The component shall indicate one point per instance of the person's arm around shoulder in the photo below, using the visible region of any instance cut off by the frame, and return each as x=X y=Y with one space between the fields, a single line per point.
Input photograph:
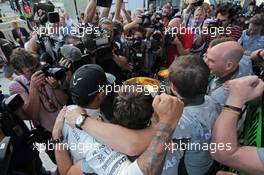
x=126 y=140
x=244 y=158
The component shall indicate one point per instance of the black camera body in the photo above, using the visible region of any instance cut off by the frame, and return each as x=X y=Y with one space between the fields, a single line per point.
x=13 y=127
x=146 y=19
x=159 y=15
x=137 y=54
x=104 y=3
x=215 y=23
x=11 y=104
x=48 y=13
x=51 y=44
x=136 y=44
x=57 y=72
x=156 y=40
x=198 y=3
x=98 y=42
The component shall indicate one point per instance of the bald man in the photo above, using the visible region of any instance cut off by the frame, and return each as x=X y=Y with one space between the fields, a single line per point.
x=223 y=60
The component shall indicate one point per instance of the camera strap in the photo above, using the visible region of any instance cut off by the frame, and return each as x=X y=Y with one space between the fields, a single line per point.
x=188 y=20
x=24 y=86
x=41 y=101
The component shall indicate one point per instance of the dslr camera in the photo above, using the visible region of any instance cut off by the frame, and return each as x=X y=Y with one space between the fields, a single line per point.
x=56 y=72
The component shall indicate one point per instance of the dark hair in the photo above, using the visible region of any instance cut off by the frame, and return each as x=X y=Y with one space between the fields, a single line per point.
x=21 y=58
x=252 y=3
x=190 y=76
x=226 y=9
x=82 y=102
x=132 y=108
x=139 y=29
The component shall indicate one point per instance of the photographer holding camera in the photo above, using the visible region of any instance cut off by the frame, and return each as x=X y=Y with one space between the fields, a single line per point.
x=137 y=57
x=42 y=95
x=156 y=52
x=179 y=40
x=166 y=14
x=221 y=26
x=194 y=14
x=136 y=21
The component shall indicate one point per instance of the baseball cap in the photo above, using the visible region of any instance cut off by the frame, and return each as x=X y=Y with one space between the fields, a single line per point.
x=71 y=52
x=87 y=81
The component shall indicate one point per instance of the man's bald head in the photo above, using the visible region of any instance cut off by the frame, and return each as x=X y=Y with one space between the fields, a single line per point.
x=223 y=58
x=229 y=50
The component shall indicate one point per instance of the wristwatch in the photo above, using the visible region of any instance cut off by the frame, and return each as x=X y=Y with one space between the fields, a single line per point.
x=80 y=121
x=57 y=141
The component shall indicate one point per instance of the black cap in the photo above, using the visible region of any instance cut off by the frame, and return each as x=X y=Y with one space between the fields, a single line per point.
x=86 y=82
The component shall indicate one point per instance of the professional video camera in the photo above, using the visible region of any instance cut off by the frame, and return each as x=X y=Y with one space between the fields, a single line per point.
x=40 y=13
x=10 y=104
x=98 y=42
x=22 y=155
x=156 y=24
x=45 y=13
x=51 y=44
x=146 y=19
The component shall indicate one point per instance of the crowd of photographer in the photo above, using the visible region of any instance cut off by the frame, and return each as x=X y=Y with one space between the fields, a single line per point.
x=209 y=54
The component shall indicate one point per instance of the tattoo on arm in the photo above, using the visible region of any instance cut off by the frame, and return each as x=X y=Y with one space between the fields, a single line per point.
x=151 y=161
